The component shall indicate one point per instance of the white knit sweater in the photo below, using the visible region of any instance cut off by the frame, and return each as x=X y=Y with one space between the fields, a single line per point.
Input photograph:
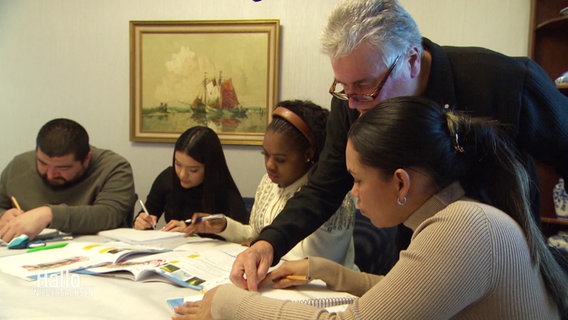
x=333 y=240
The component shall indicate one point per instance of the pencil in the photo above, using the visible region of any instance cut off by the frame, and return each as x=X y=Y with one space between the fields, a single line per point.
x=297 y=277
x=15 y=203
x=205 y=218
x=146 y=212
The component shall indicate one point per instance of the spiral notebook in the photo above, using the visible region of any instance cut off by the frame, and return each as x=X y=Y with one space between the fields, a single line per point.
x=327 y=302
x=315 y=294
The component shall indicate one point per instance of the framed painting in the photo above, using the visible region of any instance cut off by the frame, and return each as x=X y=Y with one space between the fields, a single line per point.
x=219 y=74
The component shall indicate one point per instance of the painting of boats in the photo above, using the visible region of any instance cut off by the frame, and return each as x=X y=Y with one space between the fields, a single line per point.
x=222 y=75
x=216 y=106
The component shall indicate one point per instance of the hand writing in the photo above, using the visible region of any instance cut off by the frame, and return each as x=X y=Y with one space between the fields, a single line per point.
x=145 y=221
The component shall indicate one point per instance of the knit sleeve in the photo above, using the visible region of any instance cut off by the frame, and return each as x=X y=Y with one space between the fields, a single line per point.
x=231 y=302
x=447 y=267
x=236 y=232
x=340 y=278
x=543 y=128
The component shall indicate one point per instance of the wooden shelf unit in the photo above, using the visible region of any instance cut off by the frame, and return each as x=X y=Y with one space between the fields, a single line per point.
x=563 y=221
x=548 y=41
x=548 y=46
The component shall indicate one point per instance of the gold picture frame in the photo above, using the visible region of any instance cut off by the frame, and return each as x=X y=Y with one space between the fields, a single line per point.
x=221 y=74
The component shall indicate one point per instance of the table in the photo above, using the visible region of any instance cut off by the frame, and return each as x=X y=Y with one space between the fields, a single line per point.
x=86 y=297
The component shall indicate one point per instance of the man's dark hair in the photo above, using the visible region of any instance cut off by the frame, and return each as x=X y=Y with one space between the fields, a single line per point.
x=60 y=137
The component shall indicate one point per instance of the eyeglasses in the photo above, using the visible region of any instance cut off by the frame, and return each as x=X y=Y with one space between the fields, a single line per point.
x=365 y=97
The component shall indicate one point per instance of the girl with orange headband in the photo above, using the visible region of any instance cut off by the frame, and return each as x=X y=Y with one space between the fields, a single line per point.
x=291 y=147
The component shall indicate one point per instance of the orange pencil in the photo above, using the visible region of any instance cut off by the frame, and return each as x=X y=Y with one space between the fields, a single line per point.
x=15 y=203
x=296 y=277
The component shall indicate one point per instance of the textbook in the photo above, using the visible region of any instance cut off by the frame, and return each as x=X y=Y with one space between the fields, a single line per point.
x=314 y=293
x=142 y=237
x=195 y=270
x=72 y=257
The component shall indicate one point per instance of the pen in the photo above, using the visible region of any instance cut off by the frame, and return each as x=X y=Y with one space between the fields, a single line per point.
x=15 y=203
x=205 y=218
x=43 y=243
x=51 y=246
x=146 y=212
x=296 y=277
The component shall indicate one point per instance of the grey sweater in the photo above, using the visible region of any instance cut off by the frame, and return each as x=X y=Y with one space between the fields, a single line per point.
x=103 y=199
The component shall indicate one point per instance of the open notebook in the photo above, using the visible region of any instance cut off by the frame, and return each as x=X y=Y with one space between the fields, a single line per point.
x=74 y=256
x=196 y=270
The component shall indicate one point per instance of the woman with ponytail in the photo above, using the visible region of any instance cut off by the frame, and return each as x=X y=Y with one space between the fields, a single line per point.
x=475 y=252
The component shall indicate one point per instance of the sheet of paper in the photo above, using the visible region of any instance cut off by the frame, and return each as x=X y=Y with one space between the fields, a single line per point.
x=142 y=237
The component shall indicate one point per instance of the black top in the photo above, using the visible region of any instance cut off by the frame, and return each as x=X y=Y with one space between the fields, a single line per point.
x=181 y=204
x=515 y=91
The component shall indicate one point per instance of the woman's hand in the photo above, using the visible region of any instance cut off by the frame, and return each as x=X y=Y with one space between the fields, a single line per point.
x=145 y=221
x=174 y=226
x=205 y=226
x=196 y=310
x=290 y=273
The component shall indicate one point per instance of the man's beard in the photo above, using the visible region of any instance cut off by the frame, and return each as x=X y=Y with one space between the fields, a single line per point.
x=66 y=184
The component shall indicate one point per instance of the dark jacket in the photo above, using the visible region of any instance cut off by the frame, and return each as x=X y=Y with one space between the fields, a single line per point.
x=515 y=91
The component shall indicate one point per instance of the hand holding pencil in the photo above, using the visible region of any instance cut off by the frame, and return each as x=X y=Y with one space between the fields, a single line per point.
x=205 y=223
x=290 y=273
x=17 y=222
x=10 y=214
x=145 y=220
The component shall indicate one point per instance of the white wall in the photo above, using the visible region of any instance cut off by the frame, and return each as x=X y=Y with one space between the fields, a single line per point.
x=70 y=58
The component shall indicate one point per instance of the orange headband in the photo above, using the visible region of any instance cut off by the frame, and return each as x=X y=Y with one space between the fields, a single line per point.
x=296 y=121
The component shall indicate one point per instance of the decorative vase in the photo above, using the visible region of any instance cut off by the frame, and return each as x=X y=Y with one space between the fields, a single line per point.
x=560 y=199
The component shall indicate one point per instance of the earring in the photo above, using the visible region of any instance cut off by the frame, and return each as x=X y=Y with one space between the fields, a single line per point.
x=401 y=202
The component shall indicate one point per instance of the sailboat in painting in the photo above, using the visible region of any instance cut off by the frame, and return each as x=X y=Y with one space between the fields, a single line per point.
x=218 y=103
